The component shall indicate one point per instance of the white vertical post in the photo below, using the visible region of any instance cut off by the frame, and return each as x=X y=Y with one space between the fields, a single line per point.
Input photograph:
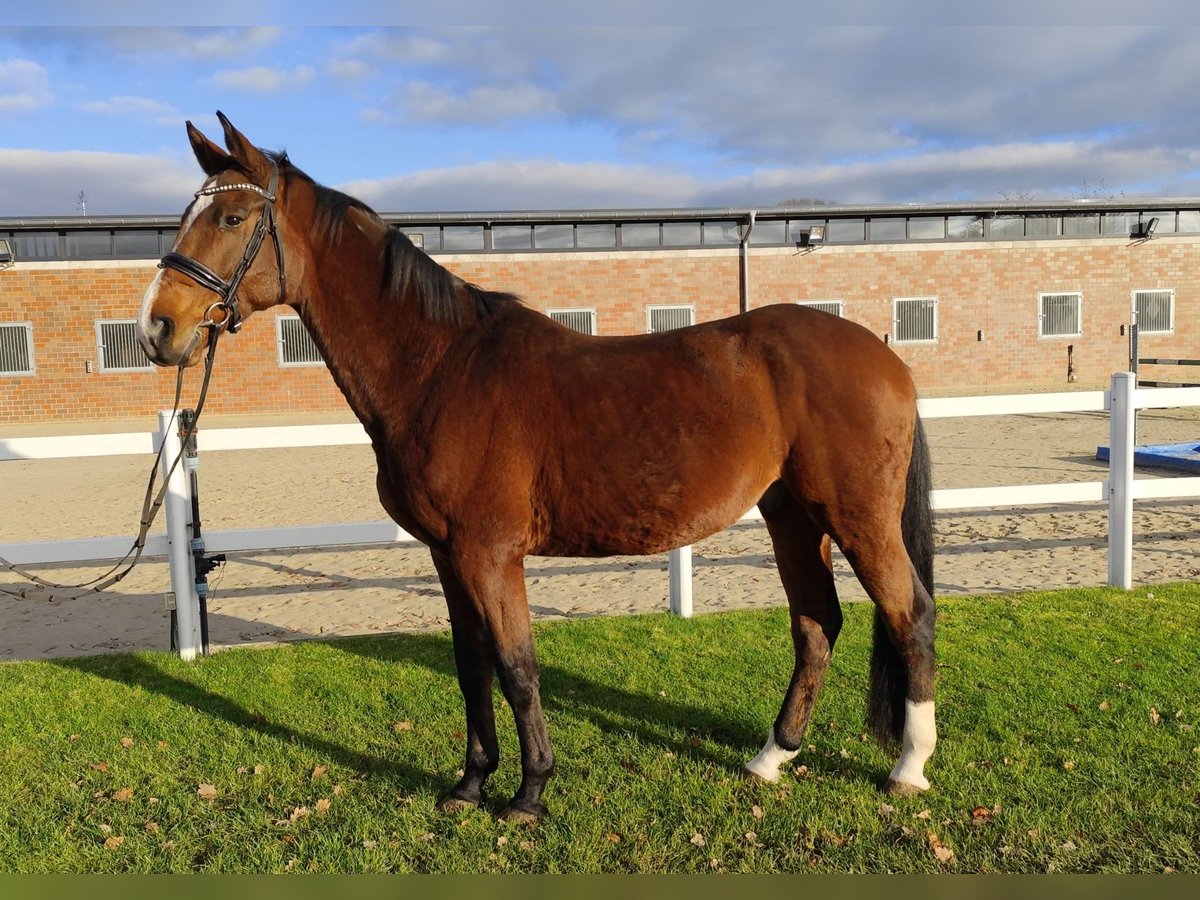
x=679 y=568
x=1120 y=480
x=178 y=504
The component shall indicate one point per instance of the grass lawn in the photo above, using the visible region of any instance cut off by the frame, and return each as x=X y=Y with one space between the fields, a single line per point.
x=1067 y=725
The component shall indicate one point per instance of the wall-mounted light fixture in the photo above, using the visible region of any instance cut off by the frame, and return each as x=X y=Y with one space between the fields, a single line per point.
x=6 y=255
x=811 y=237
x=1143 y=231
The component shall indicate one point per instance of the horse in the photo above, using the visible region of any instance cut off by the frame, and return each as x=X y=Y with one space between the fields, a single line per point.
x=500 y=433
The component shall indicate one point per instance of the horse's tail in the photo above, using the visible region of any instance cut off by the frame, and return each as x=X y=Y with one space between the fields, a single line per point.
x=889 y=676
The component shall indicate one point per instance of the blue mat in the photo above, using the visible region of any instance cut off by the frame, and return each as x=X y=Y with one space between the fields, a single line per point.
x=1185 y=456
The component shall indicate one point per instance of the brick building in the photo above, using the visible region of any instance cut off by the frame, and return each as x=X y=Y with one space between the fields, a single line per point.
x=975 y=298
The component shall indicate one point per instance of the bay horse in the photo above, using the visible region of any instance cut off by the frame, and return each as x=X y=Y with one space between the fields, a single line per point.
x=500 y=433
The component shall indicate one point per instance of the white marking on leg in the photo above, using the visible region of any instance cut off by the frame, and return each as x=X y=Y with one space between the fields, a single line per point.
x=770 y=758
x=920 y=737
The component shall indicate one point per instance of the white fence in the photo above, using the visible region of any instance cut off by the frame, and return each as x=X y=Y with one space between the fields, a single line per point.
x=1119 y=490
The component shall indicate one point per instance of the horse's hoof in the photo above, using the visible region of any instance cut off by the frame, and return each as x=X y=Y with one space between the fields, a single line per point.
x=758 y=777
x=902 y=789
x=524 y=815
x=451 y=804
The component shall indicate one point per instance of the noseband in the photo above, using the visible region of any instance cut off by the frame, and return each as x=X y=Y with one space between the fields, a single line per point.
x=207 y=278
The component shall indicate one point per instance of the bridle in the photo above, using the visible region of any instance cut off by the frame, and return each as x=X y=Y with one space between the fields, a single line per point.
x=232 y=321
x=227 y=290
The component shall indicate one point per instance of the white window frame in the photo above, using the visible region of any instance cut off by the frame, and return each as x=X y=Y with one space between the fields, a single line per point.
x=590 y=311
x=100 y=348
x=650 y=310
x=840 y=304
x=27 y=327
x=896 y=339
x=290 y=364
x=1041 y=314
x=1133 y=309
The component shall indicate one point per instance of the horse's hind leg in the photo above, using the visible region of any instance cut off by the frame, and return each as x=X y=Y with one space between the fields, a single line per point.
x=902 y=660
x=802 y=553
x=474 y=666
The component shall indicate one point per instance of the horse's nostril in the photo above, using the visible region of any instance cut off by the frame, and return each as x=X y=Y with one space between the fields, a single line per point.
x=165 y=327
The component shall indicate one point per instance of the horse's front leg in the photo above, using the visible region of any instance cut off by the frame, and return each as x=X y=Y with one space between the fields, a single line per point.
x=473 y=663
x=496 y=584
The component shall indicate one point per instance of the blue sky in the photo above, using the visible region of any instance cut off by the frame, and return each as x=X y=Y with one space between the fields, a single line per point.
x=438 y=117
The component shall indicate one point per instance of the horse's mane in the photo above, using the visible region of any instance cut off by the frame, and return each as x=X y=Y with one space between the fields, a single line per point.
x=406 y=268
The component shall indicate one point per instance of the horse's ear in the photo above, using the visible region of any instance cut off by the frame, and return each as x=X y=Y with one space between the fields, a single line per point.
x=243 y=152
x=212 y=158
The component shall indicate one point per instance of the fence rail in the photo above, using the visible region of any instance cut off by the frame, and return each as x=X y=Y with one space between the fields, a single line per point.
x=1120 y=490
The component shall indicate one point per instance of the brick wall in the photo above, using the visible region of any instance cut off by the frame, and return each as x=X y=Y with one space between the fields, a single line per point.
x=990 y=287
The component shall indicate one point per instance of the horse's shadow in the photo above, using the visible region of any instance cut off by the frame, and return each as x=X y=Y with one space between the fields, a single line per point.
x=690 y=731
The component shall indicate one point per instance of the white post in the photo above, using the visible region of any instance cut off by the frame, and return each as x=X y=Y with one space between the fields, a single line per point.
x=679 y=568
x=1120 y=480
x=178 y=504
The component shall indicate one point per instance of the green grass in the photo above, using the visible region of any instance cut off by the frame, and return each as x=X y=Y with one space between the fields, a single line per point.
x=1045 y=716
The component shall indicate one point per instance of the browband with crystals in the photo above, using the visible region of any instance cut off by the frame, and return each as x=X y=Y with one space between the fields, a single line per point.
x=240 y=186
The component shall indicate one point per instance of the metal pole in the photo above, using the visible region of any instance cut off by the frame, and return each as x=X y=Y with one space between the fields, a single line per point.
x=201 y=564
x=679 y=570
x=179 y=554
x=1120 y=480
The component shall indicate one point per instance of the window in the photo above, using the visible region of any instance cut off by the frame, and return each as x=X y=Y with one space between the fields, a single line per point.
x=665 y=318
x=846 y=230
x=1059 y=315
x=639 y=234
x=296 y=346
x=1081 y=224
x=427 y=237
x=596 y=235
x=1122 y=223
x=681 y=234
x=722 y=233
x=1007 y=226
x=769 y=231
x=16 y=348
x=833 y=307
x=964 y=227
x=1040 y=225
x=462 y=237
x=581 y=320
x=927 y=228
x=914 y=319
x=89 y=244
x=888 y=230
x=1154 y=311
x=554 y=237
x=136 y=244
x=36 y=244
x=119 y=349
x=512 y=237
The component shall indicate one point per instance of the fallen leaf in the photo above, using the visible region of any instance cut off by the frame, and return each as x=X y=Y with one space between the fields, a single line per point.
x=698 y=839
x=167 y=845
x=923 y=814
x=428 y=837
x=1068 y=846
x=126 y=742
x=402 y=726
x=1154 y=716
x=152 y=800
x=338 y=790
x=756 y=811
x=322 y=805
x=100 y=767
x=163 y=745
x=943 y=853
x=614 y=838
x=502 y=841
x=1068 y=764
x=298 y=813
x=886 y=809
x=319 y=772
x=752 y=839
x=526 y=845
x=105 y=829
x=72 y=737
x=113 y=842
x=123 y=794
x=369 y=844
x=1104 y=705
x=152 y=827
x=207 y=791
x=981 y=815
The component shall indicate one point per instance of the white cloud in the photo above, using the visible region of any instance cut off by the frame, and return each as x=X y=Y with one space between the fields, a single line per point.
x=423 y=102
x=158 y=112
x=40 y=183
x=265 y=79
x=24 y=85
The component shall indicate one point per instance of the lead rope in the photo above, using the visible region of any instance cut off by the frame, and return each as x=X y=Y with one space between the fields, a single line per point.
x=151 y=504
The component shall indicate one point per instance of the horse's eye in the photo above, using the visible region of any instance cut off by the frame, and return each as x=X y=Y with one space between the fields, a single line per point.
x=233 y=221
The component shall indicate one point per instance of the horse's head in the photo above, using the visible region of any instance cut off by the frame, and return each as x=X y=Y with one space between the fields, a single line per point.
x=218 y=272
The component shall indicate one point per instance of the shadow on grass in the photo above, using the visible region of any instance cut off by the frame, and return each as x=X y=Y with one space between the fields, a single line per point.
x=691 y=731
